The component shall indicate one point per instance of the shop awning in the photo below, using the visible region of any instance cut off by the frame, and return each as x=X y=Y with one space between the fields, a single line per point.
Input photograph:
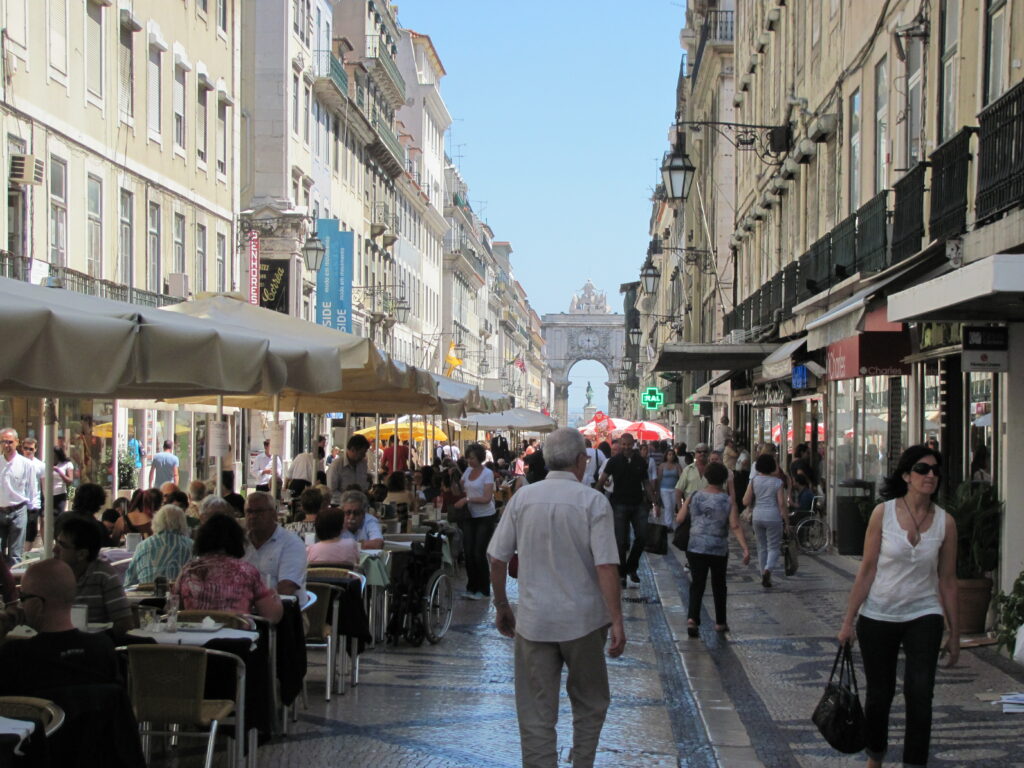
x=843 y=320
x=703 y=392
x=711 y=357
x=779 y=364
x=987 y=290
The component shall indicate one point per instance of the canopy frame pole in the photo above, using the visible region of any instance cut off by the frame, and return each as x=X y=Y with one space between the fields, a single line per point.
x=376 y=446
x=275 y=481
x=218 y=462
x=49 y=442
x=114 y=463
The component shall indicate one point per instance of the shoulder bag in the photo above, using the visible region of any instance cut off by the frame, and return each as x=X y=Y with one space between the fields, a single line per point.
x=791 y=553
x=838 y=715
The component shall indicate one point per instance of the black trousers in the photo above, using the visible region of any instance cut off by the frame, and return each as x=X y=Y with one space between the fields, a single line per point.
x=700 y=564
x=628 y=516
x=477 y=533
x=880 y=643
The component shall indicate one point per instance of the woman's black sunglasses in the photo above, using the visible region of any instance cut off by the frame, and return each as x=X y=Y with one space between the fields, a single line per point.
x=923 y=468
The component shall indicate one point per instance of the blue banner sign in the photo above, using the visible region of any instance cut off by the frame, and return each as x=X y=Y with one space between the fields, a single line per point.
x=334 y=280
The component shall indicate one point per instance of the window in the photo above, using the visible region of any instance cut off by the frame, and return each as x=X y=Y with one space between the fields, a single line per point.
x=126 y=244
x=179 y=242
x=126 y=74
x=222 y=253
x=154 y=272
x=201 y=125
x=59 y=35
x=881 y=125
x=153 y=90
x=58 y=212
x=301 y=21
x=203 y=5
x=222 y=138
x=200 y=266
x=178 y=94
x=94 y=48
x=995 y=50
x=295 y=104
x=316 y=129
x=913 y=99
x=222 y=15
x=948 y=72
x=305 y=120
x=94 y=235
x=854 y=150
x=337 y=144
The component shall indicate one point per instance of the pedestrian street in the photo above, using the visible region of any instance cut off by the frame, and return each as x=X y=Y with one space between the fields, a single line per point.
x=740 y=701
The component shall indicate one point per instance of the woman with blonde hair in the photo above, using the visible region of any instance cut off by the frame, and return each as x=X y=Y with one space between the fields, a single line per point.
x=165 y=552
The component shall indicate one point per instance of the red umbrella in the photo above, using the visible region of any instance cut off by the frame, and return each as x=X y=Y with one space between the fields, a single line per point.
x=777 y=432
x=607 y=427
x=648 y=430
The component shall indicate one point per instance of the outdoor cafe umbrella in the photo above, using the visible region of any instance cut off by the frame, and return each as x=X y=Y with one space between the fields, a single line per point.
x=513 y=418
x=405 y=429
x=612 y=427
x=648 y=430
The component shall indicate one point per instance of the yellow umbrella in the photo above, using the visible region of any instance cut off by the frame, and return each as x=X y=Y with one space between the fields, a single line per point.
x=420 y=431
x=106 y=429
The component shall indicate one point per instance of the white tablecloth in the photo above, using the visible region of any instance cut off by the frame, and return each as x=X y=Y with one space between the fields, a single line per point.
x=20 y=728
x=181 y=637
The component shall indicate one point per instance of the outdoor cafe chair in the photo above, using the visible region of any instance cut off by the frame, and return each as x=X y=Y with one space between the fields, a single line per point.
x=31 y=708
x=323 y=631
x=333 y=575
x=166 y=683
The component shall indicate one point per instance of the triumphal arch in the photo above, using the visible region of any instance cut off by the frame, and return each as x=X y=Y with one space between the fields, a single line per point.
x=588 y=331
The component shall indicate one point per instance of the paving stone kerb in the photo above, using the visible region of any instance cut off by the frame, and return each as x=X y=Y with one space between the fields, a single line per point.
x=774 y=664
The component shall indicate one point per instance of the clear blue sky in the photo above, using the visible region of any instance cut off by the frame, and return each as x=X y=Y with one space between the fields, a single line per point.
x=561 y=112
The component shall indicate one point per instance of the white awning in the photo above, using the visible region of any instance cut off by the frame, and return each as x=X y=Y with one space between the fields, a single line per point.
x=711 y=357
x=779 y=364
x=989 y=290
x=843 y=320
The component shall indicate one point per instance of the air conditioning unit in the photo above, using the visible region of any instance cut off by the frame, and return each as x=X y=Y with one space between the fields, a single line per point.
x=177 y=285
x=27 y=169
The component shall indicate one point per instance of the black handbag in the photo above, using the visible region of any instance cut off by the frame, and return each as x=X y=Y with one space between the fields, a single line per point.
x=791 y=554
x=657 y=539
x=681 y=536
x=838 y=715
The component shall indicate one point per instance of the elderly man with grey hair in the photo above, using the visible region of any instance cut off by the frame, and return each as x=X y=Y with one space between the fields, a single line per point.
x=165 y=552
x=568 y=599
x=214 y=505
x=360 y=525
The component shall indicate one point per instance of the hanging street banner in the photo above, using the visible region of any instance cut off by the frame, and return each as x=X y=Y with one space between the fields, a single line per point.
x=274 y=284
x=334 y=280
x=254 y=267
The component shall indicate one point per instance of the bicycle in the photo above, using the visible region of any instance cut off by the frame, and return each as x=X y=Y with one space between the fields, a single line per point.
x=813 y=534
x=421 y=593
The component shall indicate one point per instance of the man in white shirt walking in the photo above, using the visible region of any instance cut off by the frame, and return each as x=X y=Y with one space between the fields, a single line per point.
x=568 y=599
x=19 y=486
x=35 y=508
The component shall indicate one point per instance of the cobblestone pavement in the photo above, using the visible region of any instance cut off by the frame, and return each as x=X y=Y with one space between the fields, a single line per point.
x=735 y=701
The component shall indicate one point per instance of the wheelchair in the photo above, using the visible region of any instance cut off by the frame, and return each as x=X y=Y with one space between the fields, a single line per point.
x=421 y=593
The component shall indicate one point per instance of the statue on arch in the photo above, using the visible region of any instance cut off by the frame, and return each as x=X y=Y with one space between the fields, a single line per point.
x=590 y=395
x=589 y=301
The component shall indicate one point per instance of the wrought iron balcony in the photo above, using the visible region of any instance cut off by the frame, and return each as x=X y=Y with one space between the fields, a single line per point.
x=873 y=234
x=790 y=287
x=14 y=266
x=950 y=167
x=844 y=247
x=387 y=147
x=331 y=81
x=79 y=282
x=1001 y=155
x=816 y=268
x=718 y=27
x=908 y=215
x=385 y=70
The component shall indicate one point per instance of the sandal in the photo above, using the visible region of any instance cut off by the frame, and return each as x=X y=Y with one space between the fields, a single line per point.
x=692 y=630
x=721 y=627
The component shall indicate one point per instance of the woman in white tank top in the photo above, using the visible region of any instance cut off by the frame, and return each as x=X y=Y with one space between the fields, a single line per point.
x=905 y=585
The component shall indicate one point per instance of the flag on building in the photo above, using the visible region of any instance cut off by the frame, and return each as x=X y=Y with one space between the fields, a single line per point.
x=451 y=360
x=518 y=363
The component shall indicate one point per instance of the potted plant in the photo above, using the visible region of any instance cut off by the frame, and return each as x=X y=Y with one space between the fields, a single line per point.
x=978 y=511
x=1010 y=615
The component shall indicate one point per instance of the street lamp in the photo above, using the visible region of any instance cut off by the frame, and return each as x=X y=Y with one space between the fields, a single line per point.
x=313 y=252
x=635 y=336
x=677 y=173
x=649 y=276
x=402 y=309
x=484 y=367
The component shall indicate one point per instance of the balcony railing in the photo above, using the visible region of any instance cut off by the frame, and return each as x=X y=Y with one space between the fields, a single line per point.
x=950 y=166
x=908 y=215
x=816 y=268
x=376 y=49
x=844 y=247
x=326 y=65
x=14 y=266
x=79 y=282
x=790 y=288
x=389 y=140
x=1001 y=155
x=720 y=25
x=873 y=234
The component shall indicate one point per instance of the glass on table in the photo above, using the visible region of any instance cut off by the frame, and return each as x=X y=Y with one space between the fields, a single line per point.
x=148 y=621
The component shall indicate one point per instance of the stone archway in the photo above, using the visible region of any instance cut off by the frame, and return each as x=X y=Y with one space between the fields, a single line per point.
x=588 y=331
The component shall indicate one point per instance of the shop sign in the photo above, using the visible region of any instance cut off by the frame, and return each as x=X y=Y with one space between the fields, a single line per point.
x=334 y=280
x=652 y=398
x=801 y=378
x=985 y=348
x=774 y=394
x=254 y=267
x=274 y=285
x=937 y=335
x=868 y=354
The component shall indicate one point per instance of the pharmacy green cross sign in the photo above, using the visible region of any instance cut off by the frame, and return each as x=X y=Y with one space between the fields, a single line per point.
x=652 y=398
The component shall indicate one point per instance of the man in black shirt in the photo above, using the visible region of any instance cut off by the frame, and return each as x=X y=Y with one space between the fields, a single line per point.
x=632 y=491
x=59 y=655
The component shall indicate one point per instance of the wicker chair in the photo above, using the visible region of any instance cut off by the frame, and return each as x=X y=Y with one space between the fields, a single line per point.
x=31 y=708
x=166 y=684
x=322 y=634
x=229 y=619
x=332 y=575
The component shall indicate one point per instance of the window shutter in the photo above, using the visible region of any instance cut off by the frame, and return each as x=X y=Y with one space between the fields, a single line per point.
x=178 y=99
x=16 y=18
x=201 y=124
x=58 y=35
x=94 y=48
x=153 y=93
x=125 y=101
